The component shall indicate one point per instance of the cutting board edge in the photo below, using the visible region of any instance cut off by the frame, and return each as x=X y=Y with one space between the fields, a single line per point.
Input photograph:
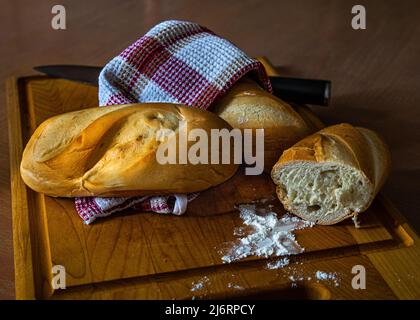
x=24 y=272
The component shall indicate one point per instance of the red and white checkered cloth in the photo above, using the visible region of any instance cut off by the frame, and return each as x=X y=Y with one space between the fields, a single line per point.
x=178 y=62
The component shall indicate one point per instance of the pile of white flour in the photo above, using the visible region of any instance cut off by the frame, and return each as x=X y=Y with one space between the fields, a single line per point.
x=267 y=236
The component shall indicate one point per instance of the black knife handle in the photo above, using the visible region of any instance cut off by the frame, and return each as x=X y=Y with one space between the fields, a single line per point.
x=302 y=91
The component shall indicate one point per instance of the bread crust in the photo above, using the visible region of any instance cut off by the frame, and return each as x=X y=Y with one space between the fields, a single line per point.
x=248 y=106
x=358 y=148
x=111 y=151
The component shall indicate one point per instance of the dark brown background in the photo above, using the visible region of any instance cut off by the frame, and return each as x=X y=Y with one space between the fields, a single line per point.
x=375 y=72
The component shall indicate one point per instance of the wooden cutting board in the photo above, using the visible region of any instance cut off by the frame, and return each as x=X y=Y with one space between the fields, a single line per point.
x=135 y=255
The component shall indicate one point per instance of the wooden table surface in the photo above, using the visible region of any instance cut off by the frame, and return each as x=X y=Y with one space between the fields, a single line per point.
x=375 y=72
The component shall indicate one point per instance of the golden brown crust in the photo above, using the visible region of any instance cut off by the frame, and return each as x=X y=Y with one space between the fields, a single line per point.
x=111 y=151
x=248 y=106
x=381 y=156
x=350 y=147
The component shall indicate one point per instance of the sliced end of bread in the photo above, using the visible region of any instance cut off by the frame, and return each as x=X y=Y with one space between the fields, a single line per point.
x=324 y=193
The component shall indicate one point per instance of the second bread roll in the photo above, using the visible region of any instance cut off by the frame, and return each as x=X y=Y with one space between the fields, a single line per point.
x=248 y=106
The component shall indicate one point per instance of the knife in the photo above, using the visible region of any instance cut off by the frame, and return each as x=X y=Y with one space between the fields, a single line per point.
x=296 y=90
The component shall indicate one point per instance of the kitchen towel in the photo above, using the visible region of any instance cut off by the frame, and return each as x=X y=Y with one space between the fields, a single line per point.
x=178 y=62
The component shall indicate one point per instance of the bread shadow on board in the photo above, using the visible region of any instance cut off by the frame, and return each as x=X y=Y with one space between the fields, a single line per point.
x=224 y=198
x=239 y=189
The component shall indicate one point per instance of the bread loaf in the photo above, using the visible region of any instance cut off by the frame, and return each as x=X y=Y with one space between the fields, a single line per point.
x=248 y=106
x=332 y=174
x=111 y=151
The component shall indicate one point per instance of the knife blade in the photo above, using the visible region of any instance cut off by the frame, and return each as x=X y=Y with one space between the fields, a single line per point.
x=296 y=90
x=85 y=74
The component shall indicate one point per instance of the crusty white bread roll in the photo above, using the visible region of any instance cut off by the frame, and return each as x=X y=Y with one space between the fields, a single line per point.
x=332 y=174
x=111 y=151
x=248 y=106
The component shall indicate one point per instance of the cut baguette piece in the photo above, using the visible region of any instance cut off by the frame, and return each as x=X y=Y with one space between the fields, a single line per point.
x=333 y=174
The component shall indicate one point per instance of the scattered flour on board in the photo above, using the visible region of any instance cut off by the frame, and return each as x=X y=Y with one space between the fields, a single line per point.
x=264 y=234
x=280 y=263
x=235 y=286
x=198 y=285
x=296 y=274
x=268 y=235
x=325 y=276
